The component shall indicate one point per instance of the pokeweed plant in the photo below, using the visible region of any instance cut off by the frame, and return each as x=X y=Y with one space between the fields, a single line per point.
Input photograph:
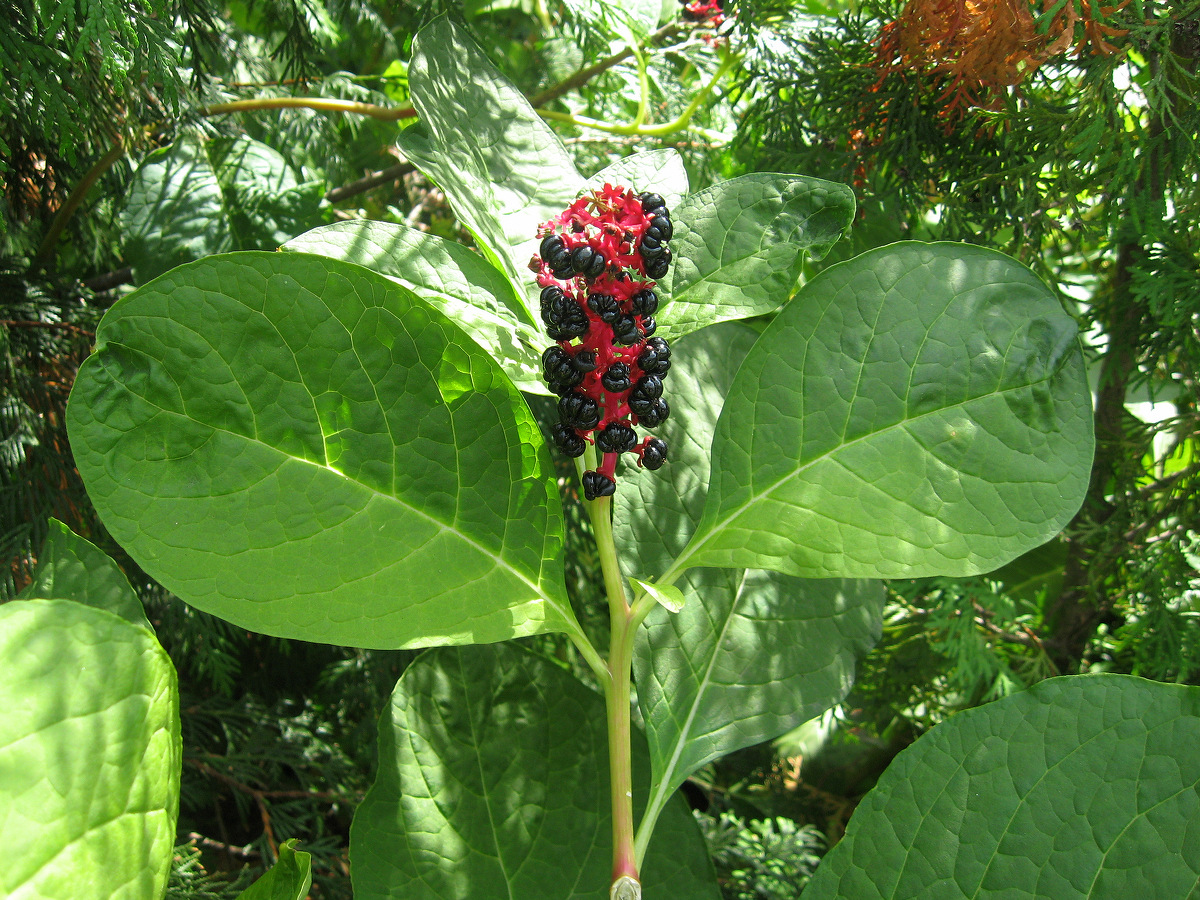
x=331 y=443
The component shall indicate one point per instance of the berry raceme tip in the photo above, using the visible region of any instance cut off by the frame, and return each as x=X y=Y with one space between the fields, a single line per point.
x=597 y=264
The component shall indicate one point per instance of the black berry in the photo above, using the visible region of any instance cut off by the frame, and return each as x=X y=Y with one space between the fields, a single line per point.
x=587 y=261
x=567 y=440
x=656 y=358
x=579 y=411
x=656 y=267
x=651 y=202
x=597 y=485
x=649 y=326
x=605 y=306
x=656 y=414
x=654 y=454
x=626 y=331
x=616 y=378
x=644 y=303
x=661 y=225
x=617 y=437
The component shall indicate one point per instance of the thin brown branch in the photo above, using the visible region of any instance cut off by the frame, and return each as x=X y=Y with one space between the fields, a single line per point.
x=59 y=326
x=45 y=252
x=583 y=76
x=374 y=180
x=246 y=852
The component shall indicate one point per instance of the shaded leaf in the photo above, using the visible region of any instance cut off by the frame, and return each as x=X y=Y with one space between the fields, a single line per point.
x=751 y=655
x=289 y=879
x=90 y=754
x=919 y=410
x=450 y=278
x=739 y=246
x=304 y=448
x=1084 y=786
x=193 y=199
x=71 y=568
x=493 y=783
x=656 y=513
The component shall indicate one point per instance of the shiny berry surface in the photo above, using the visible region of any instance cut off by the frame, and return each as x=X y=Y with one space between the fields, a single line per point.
x=597 y=266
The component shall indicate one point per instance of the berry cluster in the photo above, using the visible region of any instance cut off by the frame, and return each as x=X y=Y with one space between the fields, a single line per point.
x=597 y=266
x=708 y=12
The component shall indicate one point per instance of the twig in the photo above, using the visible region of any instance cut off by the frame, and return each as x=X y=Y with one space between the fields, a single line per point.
x=375 y=179
x=247 y=852
x=45 y=251
x=385 y=113
x=61 y=326
x=583 y=76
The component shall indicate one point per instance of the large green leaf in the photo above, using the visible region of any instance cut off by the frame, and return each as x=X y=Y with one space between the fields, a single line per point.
x=71 y=568
x=502 y=168
x=195 y=198
x=751 y=655
x=304 y=448
x=450 y=278
x=919 y=410
x=89 y=755
x=493 y=783
x=1084 y=786
x=739 y=246
x=289 y=879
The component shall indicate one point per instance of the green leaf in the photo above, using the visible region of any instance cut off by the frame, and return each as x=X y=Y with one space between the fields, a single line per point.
x=667 y=596
x=265 y=202
x=919 y=410
x=739 y=246
x=302 y=447
x=70 y=568
x=194 y=199
x=1083 y=786
x=90 y=755
x=502 y=168
x=660 y=171
x=289 y=879
x=656 y=513
x=175 y=211
x=752 y=655
x=452 y=279
x=493 y=783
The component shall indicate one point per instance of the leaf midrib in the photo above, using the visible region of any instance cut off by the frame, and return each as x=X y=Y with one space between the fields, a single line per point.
x=497 y=559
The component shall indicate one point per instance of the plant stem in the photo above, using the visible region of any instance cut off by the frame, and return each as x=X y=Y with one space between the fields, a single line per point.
x=617 y=694
x=385 y=113
x=678 y=124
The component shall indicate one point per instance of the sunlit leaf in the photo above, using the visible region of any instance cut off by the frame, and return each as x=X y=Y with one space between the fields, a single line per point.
x=302 y=447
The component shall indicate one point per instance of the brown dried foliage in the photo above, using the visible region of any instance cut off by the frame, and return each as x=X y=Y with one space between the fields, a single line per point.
x=984 y=48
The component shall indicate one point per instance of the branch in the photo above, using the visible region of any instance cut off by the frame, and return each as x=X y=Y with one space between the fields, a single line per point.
x=386 y=113
x=61 y=326
x=583 y=76
x=45 y=252
x=391 y=173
